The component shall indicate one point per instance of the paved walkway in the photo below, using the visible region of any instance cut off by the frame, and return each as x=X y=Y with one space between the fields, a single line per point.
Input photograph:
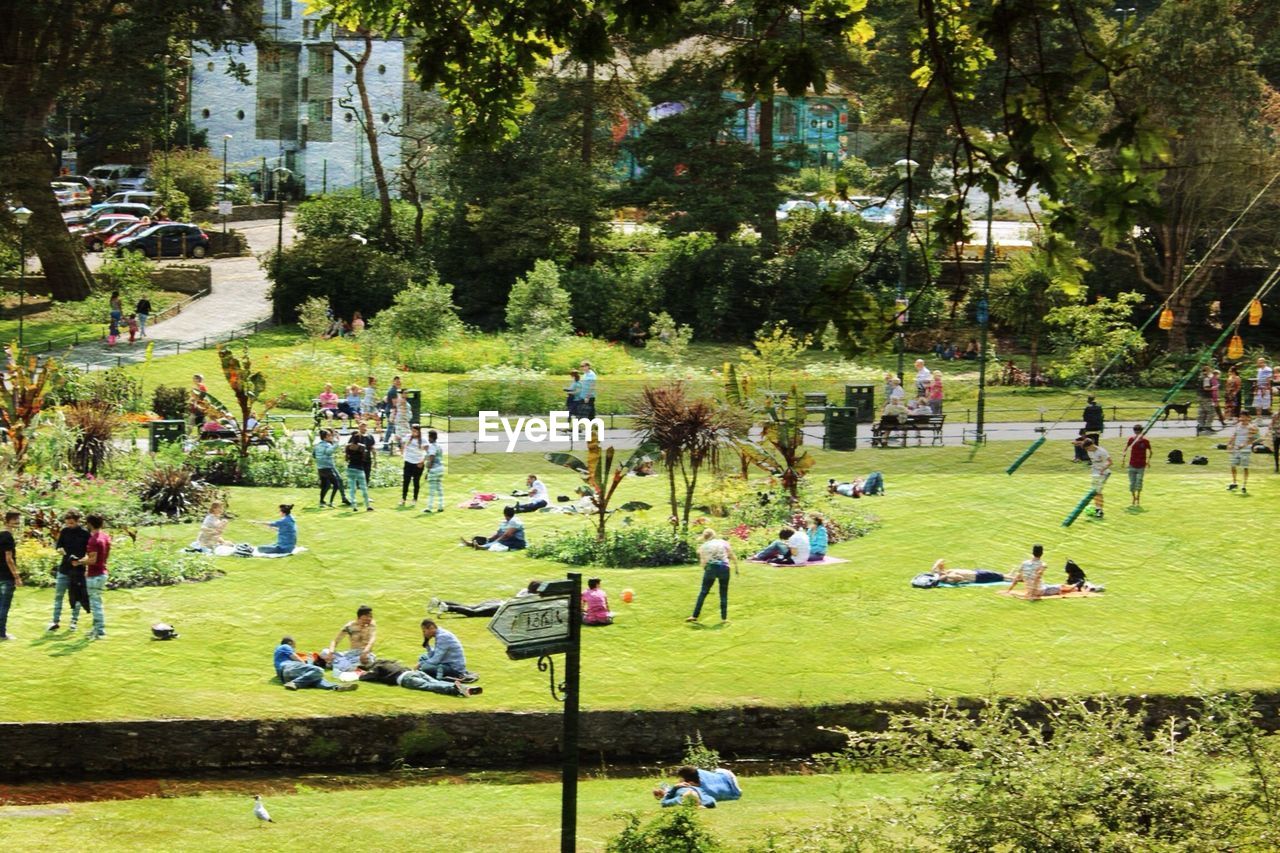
x=239 y=299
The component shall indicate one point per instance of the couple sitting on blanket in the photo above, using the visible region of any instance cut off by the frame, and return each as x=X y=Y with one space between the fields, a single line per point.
x=795 y=547
x=1031 y=573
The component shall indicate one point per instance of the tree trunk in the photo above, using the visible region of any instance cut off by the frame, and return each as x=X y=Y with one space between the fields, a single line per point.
x=767 y=215
x=1035 y=357
x=1181 y=307
x=586 y=251
x=370 y=127
x=690 y=485
x=671 y=477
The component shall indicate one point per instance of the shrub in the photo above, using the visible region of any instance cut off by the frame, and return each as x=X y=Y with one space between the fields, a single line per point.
x=174 y=201
x=170 y=402
x=116 y=389
x=342 y=213
x=315 y=318
x=675 y=830
x=422 y=312
x=158 y=565
x=351 y=276
x=193 y=172
x=94 y=425
x=628 y=548
x=127 y=272
x=698 y=754
x=667 y=338
x=175 y=491
x=45 y=497
x=538 y=304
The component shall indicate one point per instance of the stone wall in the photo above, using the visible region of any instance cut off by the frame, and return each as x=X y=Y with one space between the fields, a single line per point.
x=181 y=278
x=465 y=738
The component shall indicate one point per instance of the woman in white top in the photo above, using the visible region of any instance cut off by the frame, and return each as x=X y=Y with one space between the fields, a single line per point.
x=715 y=556
x=402 y=420
x=210 y=535
x=415 y=457
x=435 y=473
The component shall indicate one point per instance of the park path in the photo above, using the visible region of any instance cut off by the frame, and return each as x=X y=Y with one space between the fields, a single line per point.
x=238 y=301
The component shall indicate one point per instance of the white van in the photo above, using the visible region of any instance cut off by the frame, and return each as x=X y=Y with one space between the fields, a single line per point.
x=116 y=176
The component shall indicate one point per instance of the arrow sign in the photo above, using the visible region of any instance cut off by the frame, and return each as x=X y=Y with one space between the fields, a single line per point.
x=532 y=621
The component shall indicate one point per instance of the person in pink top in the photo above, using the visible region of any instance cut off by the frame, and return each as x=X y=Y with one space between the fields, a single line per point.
x=595 y=605
x=934 y=393
x=328 y=402
x=95 y=572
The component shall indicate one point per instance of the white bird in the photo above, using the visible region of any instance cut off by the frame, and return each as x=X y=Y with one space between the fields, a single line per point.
x=260 y=811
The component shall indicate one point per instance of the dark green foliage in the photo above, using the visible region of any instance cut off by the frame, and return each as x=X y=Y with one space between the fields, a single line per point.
x=175 y=491
x=169 y=402
x=698 y=754
x=675 y=830
x=344 y=212
x=351 y=276
x=630 y=547
x=94 y=424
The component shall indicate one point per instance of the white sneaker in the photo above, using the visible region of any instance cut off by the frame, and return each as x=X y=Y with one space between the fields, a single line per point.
x=434 y=606
x=8 y=637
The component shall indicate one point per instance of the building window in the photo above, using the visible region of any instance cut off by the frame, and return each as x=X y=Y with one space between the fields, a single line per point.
x=788 y=121
x=271 y=60
x=319 y=60
x=209 y=66
x=286 y=9
x=382 y=69
x=204 y=113
x=348 y=69
x=240 y=114
x=269 y=109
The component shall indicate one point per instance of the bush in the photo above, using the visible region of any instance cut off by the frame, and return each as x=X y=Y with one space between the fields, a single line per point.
x=193 y=172
x=127 y=272
x=628 y=548
x=94 y=424
x=675 y=830
x=667 y=338
x=538 y=304
x=352 y=277
x=175 y=491
x=41 y=498
x=115 y=388
x=158 y=565
x=170 y=402
x=422 y=312
x=342 y=213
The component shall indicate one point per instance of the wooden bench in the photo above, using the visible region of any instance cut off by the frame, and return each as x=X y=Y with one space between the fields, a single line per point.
x=886 y=428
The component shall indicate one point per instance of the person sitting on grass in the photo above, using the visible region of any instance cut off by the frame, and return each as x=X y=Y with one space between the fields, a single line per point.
x=444 y=658
x=394 y=672
x=1030 y=574
x=328 y=401
x=297 y=672
x=779 y=551
x=286 y=532
x=818 y=539
x=361 y=633
x=704 y=787
x=595 y=604
x=537 y=497
x=508 y=537
x=958 y=576
x=484 y=608
x=210 y=536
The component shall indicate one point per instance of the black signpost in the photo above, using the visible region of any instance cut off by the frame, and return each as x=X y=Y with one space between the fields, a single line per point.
x=539 y=627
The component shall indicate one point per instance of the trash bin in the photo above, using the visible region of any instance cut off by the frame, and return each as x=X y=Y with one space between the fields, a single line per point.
x=167 y=432
x=414 y=396
x=861 y=396
x=841 y=428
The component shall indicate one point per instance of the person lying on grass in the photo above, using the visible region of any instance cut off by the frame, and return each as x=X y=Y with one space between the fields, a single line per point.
x=945 y=575
x=394 y=672
x=508 y=537
x=297 y=672
x=484 y=608
x=705 y=787
x=361 y=632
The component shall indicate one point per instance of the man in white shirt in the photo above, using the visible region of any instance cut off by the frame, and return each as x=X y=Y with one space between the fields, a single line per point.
x=537 y=497
x=923 y=377
x=1099 y=469
x=1262 y=388
x=799 y=543
x=1241 y=449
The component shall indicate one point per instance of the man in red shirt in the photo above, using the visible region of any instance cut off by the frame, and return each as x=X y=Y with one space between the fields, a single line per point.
x=95 y=573
x=1138 y=450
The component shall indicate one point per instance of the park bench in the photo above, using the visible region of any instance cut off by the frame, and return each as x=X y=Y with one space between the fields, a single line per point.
x=889 y=427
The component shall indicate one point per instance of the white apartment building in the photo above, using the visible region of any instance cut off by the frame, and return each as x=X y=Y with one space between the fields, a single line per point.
x=290 y=111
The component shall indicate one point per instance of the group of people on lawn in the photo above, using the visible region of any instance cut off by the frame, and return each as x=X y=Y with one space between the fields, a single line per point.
x=81 y=574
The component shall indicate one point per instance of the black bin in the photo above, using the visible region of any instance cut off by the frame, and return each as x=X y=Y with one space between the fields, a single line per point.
x=861 y=396
x=414 y=396
x=842 y=428
x=166 y=432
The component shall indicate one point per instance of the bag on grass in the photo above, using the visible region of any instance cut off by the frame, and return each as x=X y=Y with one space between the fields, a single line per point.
x=1075 y=574
x=1175 y=457
x=244 y=549
x=925 y=580
x=1199 y=460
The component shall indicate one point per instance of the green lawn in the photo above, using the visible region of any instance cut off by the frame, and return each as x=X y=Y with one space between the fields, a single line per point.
x=1188 y=605
x=44 y=327
x=464 y=817
x=281 y=352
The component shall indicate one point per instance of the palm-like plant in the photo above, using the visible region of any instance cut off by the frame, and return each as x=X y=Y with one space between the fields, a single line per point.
x=22 y=397
x=600 y=476
x=249 y=387
x=687 y=433
x=781 y=449
x=95 y=423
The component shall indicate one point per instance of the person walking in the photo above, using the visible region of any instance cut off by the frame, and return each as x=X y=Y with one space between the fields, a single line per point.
x=435 y=472
x=572 y=392
x=10 y=578
x=1240 y=446
x=393 y=393
x=1215 y=392
x=330 y=482
x=715 y=554
x=1262 y=389
x=357 y=453
x=143 y=312
x=415 y=458
x=1234 y=384
x=587 y=393
x=96 y=554
x=117 y=307
x=923 y=377
x=1204 y=401
x=1093 y=424
x=73 y=541
x=1138 y=452
x=1099 y=470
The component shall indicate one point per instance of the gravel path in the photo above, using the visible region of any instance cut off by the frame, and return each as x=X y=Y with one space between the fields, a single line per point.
x=239 y=299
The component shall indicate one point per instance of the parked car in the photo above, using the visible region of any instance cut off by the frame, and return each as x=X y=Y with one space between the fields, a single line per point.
x=133 y=230
x=787 y=207
x=95 y=239
x=168 y=240
x=147 y=197
x=133 y=208
x=134 y=178
x=104 y=177
x=71 y=194
x=79 y=226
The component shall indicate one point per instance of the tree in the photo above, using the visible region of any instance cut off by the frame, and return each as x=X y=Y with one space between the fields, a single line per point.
x=667 y=338
x=1093 y=335
x=538 y=303
x=193 y=172
x=1023 y=295
x=781 y=451
x=600 y=475
x=249 y=387
x=422 y=313
x=315 y=318
x=774 y=350
x=50 y=49
x=364 y=114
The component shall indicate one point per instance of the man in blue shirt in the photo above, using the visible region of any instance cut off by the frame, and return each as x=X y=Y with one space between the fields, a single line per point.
x=704 y=787
x=509 y=536
x=330 y=482
x=297 y=672
x=444 y=659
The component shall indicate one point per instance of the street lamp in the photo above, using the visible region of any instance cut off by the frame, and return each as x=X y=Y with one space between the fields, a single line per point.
x=226 y=137
x=281 y=175
x=903 y=168
x=21 y=216
x=1124 y=12
x=984 y=315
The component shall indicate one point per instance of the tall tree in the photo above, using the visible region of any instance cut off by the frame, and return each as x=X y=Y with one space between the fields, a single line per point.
x=368 y=122
x=49 y=48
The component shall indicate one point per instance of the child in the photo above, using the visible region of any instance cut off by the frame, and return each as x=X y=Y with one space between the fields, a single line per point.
x=935 y=393
x=369 y=405
x=132 y=323
x=210 y=536
x=595 y=605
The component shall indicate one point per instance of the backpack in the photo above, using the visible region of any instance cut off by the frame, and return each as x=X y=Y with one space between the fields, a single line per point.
x=1175 y=457
x=244 y=549
x=926 y=580
x=1199 y=460
x=1075 y=574
x=873 y=484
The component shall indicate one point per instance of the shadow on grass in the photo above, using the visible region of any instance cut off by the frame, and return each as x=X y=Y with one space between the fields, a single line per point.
x=69 y=645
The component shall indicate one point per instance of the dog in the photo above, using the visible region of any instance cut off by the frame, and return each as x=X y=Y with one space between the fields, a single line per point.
x=1180 y=408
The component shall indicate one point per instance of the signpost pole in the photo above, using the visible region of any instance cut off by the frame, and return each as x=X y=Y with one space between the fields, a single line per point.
x=569 y=742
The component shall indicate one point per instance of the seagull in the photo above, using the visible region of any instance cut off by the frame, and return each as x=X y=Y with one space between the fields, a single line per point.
x=260 y=811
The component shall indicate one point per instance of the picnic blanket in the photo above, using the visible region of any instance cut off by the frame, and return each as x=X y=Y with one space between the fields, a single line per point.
x=828 y=560
x=228 y=550
x=480 y=500
x=1022 y=593
x=975 y=583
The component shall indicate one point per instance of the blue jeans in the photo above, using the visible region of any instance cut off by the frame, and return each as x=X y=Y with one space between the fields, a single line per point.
x=142 y=324
x=96 y=586
x=774 y=551
x=6 y=599
x=415 y=680
x=305 y=675
x=356 y=480
x=710 y=574
x=62 y=589
x=274 y=549
x=435 y=487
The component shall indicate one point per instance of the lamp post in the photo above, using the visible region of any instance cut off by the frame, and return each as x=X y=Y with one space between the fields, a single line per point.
x=984 y=315
x=226 y=137
x=903 y=168
x=281 y=175
x=22 y=216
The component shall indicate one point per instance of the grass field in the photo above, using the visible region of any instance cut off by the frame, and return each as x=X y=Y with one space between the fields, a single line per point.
x=1189 y=604
x=43 y=327
x=462 y=817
